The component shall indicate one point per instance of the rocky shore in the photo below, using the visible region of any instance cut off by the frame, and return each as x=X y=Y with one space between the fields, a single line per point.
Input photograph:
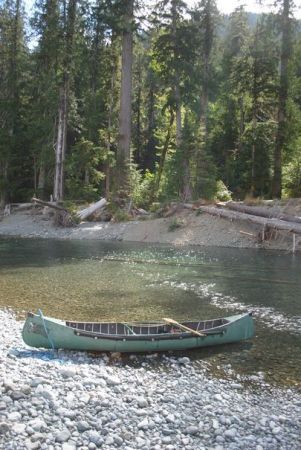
x=68 y=400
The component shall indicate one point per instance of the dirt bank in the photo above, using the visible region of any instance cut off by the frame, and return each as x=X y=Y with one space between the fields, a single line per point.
x=185 y=228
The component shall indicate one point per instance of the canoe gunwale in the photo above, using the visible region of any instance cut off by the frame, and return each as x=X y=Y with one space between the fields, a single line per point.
x=144 y=337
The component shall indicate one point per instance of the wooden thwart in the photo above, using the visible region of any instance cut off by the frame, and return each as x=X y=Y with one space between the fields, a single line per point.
x=183 y=327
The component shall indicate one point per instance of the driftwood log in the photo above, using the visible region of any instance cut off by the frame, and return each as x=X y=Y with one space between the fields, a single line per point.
x=276 y=224
x=270 y=213
x=49 y=204
x=64 y=213
x=84 y=213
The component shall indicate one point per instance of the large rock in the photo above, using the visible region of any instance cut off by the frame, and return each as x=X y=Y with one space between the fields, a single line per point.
x=82 y=426
x=62 y=436
x=18 y=428
x=37 y=424
x=14 y=416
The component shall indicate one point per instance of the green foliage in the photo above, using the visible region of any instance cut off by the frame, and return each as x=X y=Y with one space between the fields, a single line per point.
x=175 y=224
x=83 y=175
x=154 y=207
x=120 y=215
x=222 y=193
x=141 y=186
x=219 y=75
x=292 y=174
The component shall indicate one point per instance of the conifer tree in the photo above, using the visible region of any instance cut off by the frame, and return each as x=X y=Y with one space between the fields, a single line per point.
x=286 y=50
x=12 y=71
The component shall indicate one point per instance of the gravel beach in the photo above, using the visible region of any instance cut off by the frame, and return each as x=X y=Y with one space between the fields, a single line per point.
x=201 y=230
x=68 y=400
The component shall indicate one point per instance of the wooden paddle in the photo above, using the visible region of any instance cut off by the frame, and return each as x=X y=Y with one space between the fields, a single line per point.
x=183 y=327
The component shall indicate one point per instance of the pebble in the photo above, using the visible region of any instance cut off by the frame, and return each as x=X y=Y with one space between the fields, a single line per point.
x=230 y=433
x=14 y=416
x=143 y=424
x=83 y=426
x=4 y=427
x=192 y=430
x=67 y=373
x=68 y=446
x=69 y=400
x=18 y=428
x=142 y=402
x=62 y=436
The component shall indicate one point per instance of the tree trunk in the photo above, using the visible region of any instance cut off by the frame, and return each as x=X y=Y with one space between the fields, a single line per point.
x=204 y=95
x=282 y=99
x=4 y=182
x=123 y=153
x=176 y=87
x=163 y=157
x=241 y=125
x=60 y=149
x=114 y=65
x=138 y=114
x=178 y=115
x=255 y=75
x=42 y=177
x=149 y=158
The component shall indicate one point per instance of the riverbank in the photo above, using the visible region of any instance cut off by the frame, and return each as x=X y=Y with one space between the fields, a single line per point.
x=185 y=228
x=68 y=400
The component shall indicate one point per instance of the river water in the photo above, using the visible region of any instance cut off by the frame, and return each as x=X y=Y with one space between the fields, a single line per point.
x=93 y=280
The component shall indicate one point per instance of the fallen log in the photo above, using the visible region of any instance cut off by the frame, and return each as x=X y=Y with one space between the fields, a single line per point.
x=275 y=224
x=84 y=213
x=270 y=213
x=21 y=206
x=49 y=204
x=62 y=216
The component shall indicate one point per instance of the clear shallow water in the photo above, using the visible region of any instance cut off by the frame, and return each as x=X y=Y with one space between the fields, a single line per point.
x=93 y=280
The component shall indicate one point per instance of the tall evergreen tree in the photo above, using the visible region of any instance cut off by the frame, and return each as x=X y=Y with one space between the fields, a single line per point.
x=12 y=71
x=44 y=92
x=286 y=50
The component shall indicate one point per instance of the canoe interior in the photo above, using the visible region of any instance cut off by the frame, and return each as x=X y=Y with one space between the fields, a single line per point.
x=126 y=329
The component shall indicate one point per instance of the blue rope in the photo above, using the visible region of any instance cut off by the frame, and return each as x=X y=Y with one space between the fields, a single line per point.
x=46 y=331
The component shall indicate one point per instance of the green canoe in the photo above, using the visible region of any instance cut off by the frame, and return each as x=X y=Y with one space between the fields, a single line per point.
x=40 y=331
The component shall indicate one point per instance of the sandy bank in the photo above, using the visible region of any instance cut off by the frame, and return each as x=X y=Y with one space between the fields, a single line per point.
x=203 y=229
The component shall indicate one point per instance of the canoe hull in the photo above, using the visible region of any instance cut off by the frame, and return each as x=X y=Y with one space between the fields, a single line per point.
x=51 y=333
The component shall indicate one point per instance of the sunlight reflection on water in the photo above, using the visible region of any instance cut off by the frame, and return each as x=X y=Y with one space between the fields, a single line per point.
x=116 y=281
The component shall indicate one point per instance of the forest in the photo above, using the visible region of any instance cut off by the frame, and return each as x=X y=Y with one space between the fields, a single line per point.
x=148 y=101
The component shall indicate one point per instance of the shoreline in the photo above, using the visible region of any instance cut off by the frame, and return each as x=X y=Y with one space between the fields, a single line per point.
x=71 y=400
x=203 y=230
